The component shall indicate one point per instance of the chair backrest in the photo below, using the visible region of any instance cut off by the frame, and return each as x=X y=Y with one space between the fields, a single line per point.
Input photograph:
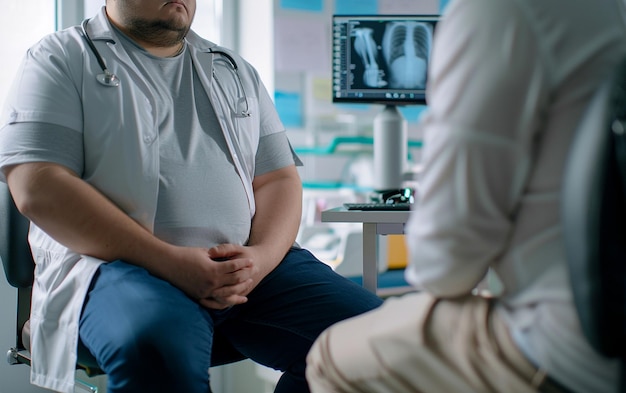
x=16 y=254
x=17 y=260
x=19 y=268
x=594 y=217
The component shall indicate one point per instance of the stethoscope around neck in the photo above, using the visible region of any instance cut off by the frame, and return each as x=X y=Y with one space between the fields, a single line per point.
x=109 y=79
x=106 y=78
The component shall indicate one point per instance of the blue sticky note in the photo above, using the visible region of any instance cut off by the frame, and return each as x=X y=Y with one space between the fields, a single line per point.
x=356 y=7
x=303 y=5
x=289 y=108
x=412 y=113
x=442 y=5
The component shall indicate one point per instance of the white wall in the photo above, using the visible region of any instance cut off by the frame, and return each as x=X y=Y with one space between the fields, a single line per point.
x=255 y=37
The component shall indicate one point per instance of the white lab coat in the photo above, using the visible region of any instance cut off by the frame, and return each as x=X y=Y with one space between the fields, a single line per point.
x=121 y=159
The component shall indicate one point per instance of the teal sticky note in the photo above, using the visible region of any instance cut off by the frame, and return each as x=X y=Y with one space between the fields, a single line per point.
x=356 y=7
x=289 y=108
x=303 y=5
x=442 y=5
x=412 y=113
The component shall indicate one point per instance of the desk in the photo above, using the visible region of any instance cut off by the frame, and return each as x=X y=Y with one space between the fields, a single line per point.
x=374 y=223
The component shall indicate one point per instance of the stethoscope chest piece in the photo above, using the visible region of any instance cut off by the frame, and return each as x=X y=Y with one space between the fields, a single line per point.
x=244 y=100
x=108 y=79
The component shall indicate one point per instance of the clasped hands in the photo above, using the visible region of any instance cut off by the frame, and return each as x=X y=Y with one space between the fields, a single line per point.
x=219 y=277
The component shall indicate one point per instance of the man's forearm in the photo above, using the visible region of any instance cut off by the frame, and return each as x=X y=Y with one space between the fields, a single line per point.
x=278 y=213
x=80 y=217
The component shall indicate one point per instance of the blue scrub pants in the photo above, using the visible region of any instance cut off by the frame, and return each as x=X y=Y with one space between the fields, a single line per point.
x=148 y=336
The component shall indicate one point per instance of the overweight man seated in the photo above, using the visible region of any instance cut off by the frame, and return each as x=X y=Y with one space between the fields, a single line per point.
x=165 y=202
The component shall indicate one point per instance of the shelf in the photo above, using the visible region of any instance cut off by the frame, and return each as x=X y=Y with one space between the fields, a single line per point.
x=341 y=141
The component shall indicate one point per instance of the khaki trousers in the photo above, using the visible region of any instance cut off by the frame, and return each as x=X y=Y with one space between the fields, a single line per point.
x=416 y=343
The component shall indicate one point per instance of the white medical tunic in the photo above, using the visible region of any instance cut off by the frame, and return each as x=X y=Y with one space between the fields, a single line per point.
x=57 y=85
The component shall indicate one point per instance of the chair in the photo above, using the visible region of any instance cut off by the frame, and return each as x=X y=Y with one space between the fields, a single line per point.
x=19 y=269
x=594 y=220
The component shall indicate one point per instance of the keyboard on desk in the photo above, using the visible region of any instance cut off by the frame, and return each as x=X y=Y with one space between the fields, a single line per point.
x=378 y=206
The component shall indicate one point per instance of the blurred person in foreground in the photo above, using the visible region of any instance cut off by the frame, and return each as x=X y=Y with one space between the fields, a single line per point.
x=508 y=83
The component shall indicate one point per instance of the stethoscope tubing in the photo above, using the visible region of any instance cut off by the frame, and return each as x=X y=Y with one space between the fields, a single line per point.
x=109 y=79
x=233 y=64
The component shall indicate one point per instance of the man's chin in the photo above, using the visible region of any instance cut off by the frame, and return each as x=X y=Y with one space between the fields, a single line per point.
x=175 y=29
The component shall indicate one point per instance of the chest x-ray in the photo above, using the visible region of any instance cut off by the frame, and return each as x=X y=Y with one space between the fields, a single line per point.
x=400 y=60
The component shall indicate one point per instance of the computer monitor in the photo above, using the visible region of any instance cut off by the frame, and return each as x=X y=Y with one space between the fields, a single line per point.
x=381 y=59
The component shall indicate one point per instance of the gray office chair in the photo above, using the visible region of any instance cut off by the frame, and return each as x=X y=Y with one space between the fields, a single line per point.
x=19 y=269
x=594 y=220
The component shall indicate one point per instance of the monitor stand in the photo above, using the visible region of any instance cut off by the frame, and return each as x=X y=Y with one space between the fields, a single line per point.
x=390 y=149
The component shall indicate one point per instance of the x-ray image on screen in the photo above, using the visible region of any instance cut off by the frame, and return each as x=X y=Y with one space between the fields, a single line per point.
x=381 y=58
x=367 y=48
x=405 y=47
